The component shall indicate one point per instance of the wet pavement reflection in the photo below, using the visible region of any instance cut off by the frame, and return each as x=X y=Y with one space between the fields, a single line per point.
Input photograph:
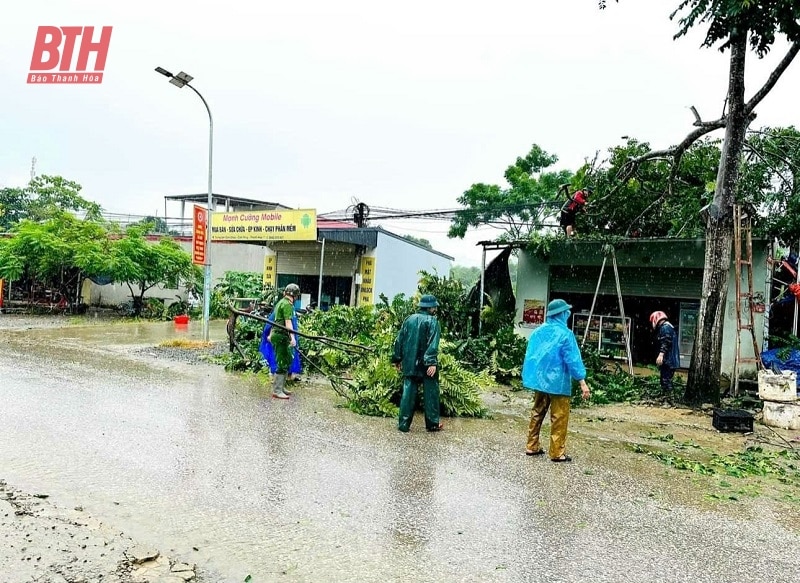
x=203 y=463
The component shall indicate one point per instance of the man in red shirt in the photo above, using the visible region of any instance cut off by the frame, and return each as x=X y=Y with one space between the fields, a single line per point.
x=576 y=202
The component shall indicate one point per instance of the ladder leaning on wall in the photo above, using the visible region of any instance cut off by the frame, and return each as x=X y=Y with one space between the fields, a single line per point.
x=743 y=246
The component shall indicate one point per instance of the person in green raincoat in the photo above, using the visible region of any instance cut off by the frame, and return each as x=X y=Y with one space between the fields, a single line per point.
x=416 y=352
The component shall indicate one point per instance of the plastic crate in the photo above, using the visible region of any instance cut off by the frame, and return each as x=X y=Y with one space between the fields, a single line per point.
x=732 y=420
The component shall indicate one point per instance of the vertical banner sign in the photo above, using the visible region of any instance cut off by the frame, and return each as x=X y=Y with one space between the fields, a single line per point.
x=367 y=292
x=269 y=270
x=199 y=234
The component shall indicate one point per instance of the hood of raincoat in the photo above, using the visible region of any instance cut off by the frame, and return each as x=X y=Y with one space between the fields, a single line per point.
x=560 y=318
x=552 y=358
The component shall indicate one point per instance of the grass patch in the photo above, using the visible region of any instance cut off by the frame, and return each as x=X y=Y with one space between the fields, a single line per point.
x=752 y=465
x=184 y=343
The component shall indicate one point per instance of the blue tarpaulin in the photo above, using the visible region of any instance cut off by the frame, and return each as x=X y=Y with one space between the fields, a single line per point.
x=792 y=362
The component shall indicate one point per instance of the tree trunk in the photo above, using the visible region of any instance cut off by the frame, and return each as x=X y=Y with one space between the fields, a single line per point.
x=138 y=301
x=704 y=372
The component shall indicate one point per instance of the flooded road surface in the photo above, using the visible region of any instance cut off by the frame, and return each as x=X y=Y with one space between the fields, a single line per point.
x=204 y=465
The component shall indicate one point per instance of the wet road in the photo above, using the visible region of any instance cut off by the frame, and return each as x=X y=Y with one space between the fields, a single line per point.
x=188 y=457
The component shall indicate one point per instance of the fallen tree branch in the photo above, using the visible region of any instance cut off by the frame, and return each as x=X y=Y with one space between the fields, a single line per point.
x=323 y=339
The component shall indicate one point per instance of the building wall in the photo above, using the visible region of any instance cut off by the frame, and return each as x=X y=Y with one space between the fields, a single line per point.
x=398 y=263
x=397 y=267
x=533 y=283
x=669 y=258
x=224 y=257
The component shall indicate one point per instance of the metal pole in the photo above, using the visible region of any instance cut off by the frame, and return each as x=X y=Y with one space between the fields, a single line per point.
x=321 y=261
x=207 y=275
x=483 y=273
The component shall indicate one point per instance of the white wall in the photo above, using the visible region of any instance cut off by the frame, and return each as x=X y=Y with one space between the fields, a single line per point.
x=533 y=283
x=225 y=256
x=398 y=263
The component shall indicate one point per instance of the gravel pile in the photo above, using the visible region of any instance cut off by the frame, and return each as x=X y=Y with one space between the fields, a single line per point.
x=188 y=355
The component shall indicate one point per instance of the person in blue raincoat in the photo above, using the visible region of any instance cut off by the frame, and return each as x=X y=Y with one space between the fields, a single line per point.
x=552 y=360
x=268 y=351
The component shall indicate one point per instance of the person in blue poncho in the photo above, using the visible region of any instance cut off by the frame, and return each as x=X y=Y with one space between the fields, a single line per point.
x=289 y=343
x=552 y=360
x=268 y=352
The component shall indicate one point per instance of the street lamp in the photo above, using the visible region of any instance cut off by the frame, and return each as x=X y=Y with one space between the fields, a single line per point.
x=183 y=80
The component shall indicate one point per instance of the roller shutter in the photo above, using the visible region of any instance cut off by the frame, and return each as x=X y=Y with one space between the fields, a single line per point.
x=656 y=282
x=302 y=258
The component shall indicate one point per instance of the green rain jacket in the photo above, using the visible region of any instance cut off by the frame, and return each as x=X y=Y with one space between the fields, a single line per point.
x=417 y=345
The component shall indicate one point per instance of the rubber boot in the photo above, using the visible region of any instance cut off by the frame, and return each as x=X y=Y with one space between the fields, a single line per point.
x=278 y=388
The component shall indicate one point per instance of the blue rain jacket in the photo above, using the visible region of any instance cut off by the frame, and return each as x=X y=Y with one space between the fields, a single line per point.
x=667 y=339
x=268 y=351
x=552 y=358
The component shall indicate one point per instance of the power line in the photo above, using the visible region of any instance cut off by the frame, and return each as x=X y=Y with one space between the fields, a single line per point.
x=382 y=213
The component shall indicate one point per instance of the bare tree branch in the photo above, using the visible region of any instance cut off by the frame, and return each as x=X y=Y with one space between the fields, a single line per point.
x=641 y=214
x=675 y=152
x=773 y=78
x=705 y=127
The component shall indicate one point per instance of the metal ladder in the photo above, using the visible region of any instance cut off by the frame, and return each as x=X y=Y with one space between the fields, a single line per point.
x=743 y=243
x=609 y=250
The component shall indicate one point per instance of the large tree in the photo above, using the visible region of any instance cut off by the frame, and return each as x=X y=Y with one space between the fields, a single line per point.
x=732 y=26
x=518 y=209
x=142 y=264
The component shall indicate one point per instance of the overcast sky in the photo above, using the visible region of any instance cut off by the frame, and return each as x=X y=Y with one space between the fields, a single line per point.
x=401 y=105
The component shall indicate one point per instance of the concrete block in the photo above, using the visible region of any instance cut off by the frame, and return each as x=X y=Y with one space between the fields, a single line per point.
x=777 y=387
x=783 y=415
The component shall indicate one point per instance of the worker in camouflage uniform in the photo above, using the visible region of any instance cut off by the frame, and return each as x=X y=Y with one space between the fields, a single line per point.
x=283 y=339
x=416 y=352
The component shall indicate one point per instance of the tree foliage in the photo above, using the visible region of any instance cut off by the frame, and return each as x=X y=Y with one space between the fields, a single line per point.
x=467 y=276
x=770 y=180
x=419 y=241
x=43 y=198
x=518 y=209
x=646 y=204
x=142 y=265
x=762 y=21
x=59 y=252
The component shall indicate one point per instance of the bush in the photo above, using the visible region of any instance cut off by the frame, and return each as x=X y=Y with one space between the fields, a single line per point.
x=611 y=384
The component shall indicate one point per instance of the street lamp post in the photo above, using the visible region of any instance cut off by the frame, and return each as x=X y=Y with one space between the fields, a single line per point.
x=183 y=80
